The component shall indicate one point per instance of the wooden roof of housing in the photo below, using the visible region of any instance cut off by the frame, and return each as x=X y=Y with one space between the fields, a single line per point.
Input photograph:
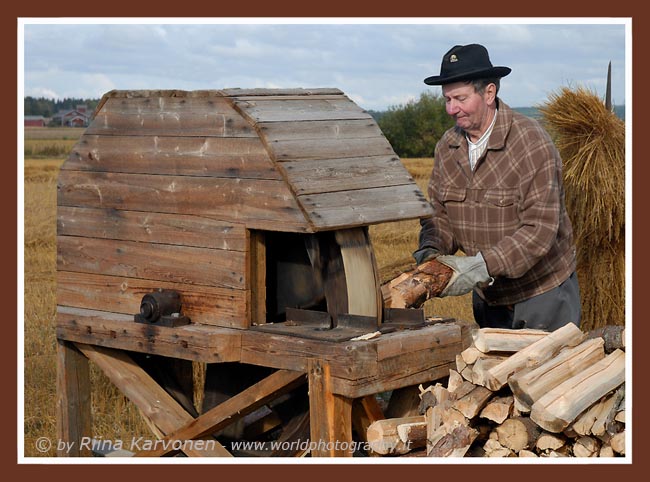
x=299 y=160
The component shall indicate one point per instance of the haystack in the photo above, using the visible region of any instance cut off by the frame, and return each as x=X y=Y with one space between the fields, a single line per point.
x=591 y=141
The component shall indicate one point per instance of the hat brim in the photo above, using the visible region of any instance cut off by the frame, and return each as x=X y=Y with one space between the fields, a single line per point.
x=494 y=72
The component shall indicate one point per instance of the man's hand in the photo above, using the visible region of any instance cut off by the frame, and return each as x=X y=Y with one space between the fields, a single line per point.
x=425 y=254
x=469 y=271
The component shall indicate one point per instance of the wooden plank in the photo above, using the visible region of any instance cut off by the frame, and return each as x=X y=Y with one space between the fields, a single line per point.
x=410 y=369
x=261 y=204
x=176 y=229
x=237 y=92
x=330 y=175
x=348 y=360
x=436 y=336
x=73 y=420
x=162 y=102
x=231 y=410
x=191 y=342
x=163 y=262
x=299 y=149
x=257 y=277
x=330 y=413
x=186 y=156
x=170 y=124
x=148 y=396
x=327 y=129
x=206 y=305
x=300 y=110
x=365 y=206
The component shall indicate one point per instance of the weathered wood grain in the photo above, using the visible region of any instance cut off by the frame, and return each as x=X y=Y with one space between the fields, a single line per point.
x=300 y=149
x=161 y=262
x=259 y=204
x=408 y=341
x=73 y=421
x=365 y=206
x=244 y=158
x=206 y=344
x=324 y=129
x=300 y=110
x=177 y=229
x=331 y=175
x=202 y=304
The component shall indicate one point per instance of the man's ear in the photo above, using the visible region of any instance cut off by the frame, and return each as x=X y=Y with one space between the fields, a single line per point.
x=491 y=94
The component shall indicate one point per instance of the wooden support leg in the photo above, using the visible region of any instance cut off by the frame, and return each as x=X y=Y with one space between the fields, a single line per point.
x=331 y=415
x=73 y=401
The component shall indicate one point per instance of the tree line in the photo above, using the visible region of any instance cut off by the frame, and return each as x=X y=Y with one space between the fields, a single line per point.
x=414 y=128
x=49 y=107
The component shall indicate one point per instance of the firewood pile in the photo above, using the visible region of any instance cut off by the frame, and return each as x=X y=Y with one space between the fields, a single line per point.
x=520 y=393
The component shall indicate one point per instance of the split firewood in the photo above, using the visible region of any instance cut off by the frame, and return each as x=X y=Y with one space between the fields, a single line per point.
x=489 y=340
x=562 y=405
x=529 y=385
x=618 y=443
x=549 y=441
x=586 y=447
x=412 y=289
x=620 y=416
x=383 y=437
x=606 y=450
x=612 y=335
x=493 y=448
x=518 y=433
x=606 y=412
x=527 y=453
x=498 y=409
x=481 y=369
x=455 y=381
x=471 y=404
x=534 y=354
x=451 y=440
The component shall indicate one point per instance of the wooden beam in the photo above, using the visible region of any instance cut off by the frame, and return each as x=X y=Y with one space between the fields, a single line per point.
x=365 y=411
x=73 y=401
x=231 y=410
x=157 y=405
x=331 y=414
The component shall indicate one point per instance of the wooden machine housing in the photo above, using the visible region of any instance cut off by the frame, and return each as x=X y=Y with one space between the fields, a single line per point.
x=194 y=192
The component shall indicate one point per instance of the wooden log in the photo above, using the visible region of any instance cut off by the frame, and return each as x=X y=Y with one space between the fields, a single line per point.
x=607 y=412
x=534 y=354
x=412 y=432
x=426 y=281
x=481 y=369
x=549 y=441
x=613 y=336
x=489 y=340
x=454 y=441
x=586 y=447
x=518 y=433
x=455 y=381
x=527 y=453
x=493 y=448
x=471 y=404
x=498 y=409
x=562 y=405
x=618 y=443
x=383 y=437
x=606 y=450
x=530 y=385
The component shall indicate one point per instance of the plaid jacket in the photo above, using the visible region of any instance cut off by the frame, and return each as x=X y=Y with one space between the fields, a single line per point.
x=511 y=208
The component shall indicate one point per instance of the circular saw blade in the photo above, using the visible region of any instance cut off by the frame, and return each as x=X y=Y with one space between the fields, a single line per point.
x=361 y=272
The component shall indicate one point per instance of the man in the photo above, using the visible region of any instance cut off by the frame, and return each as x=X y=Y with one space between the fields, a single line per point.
x=497 y=195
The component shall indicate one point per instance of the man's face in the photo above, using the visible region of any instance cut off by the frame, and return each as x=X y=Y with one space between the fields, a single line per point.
x=468 y=108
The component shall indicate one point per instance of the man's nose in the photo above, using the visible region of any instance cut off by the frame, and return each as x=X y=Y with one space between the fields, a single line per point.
x=452 y=107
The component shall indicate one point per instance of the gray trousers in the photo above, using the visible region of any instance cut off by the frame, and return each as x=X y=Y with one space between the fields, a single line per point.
x=548 y=311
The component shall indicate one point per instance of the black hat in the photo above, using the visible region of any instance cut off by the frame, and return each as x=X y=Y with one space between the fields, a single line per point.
x=466 y=62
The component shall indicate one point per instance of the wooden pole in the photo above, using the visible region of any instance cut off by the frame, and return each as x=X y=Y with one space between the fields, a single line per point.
x=73 y=401
x=331 y=414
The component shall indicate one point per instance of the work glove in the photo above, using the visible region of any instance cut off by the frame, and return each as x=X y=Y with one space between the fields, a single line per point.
x=425 y=254
x=469 y=271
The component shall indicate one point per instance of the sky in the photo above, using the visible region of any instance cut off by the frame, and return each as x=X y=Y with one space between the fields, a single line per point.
x=378 y=63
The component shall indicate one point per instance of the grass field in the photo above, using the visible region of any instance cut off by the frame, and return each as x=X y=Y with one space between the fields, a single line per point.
x=114 y=417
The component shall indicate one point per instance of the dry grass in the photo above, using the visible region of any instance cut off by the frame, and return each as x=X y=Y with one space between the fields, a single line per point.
x=591 y=141
x=115 y=417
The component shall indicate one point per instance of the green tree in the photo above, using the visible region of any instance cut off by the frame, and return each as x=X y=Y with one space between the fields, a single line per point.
x=414 y=128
